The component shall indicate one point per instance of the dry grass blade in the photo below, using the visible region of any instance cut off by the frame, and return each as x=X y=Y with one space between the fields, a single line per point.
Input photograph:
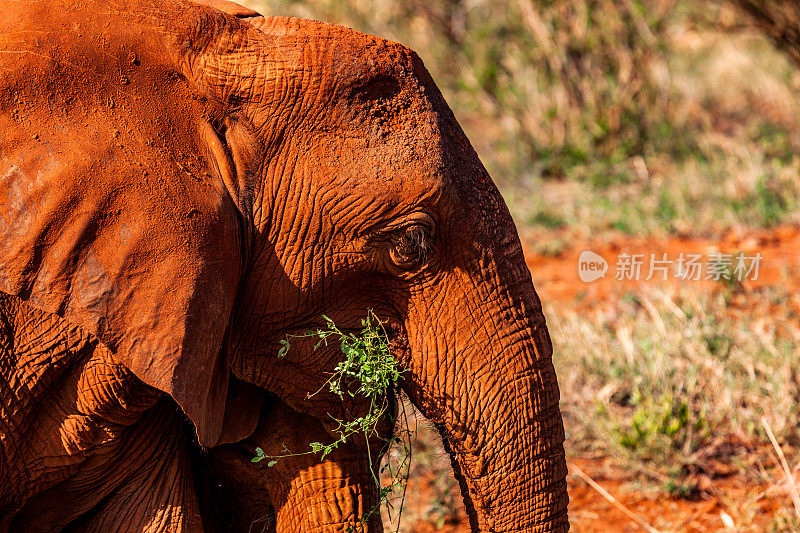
x=785 y=465
x=605 y=494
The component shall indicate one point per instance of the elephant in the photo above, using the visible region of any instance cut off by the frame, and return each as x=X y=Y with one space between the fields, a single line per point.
x=186 y=184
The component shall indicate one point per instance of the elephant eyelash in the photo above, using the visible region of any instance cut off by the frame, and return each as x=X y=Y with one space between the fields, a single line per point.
x=411 y=247
x=415 y=242
x=407 y=245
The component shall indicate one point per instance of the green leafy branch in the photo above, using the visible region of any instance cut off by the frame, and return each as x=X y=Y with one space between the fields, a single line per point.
x=368 y=371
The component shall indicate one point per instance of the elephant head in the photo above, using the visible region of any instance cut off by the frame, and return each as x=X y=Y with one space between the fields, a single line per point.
x=191 y=186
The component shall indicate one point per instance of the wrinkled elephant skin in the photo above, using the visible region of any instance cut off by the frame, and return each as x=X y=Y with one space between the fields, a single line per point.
x=183 y=186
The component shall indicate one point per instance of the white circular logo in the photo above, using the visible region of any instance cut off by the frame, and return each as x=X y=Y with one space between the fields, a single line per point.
x=591 y=266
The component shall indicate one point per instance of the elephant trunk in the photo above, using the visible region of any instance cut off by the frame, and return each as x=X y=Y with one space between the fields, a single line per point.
x=494 y=397
x=511 y=464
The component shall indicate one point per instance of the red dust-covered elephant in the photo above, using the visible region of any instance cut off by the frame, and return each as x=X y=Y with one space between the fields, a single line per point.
x=185 y=185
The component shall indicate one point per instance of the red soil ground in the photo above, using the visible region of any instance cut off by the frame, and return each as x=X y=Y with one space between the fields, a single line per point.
x=556 y=278
x=725 y=498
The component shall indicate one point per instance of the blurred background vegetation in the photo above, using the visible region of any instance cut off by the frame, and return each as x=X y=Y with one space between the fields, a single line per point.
x=607 y=119
x=642 y=116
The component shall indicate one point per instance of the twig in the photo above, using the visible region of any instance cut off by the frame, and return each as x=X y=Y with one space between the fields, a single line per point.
x=605 y=494
x=408 y=465
x=786 y=471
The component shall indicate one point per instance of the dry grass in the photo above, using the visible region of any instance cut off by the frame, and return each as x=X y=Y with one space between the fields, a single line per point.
x=661 y=376
x=673 y=386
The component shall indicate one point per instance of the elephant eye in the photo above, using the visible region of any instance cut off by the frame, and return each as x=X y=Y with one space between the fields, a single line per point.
x=411 y=247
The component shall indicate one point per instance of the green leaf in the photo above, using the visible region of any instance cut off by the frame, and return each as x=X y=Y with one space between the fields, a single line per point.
x=259 y=456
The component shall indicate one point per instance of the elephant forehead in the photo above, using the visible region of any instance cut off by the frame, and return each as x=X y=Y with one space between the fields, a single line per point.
x=316 y=65
x=399 y=167
x=352 y=55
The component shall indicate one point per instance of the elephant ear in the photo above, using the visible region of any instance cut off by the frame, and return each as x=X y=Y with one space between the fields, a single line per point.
x=121 y=209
